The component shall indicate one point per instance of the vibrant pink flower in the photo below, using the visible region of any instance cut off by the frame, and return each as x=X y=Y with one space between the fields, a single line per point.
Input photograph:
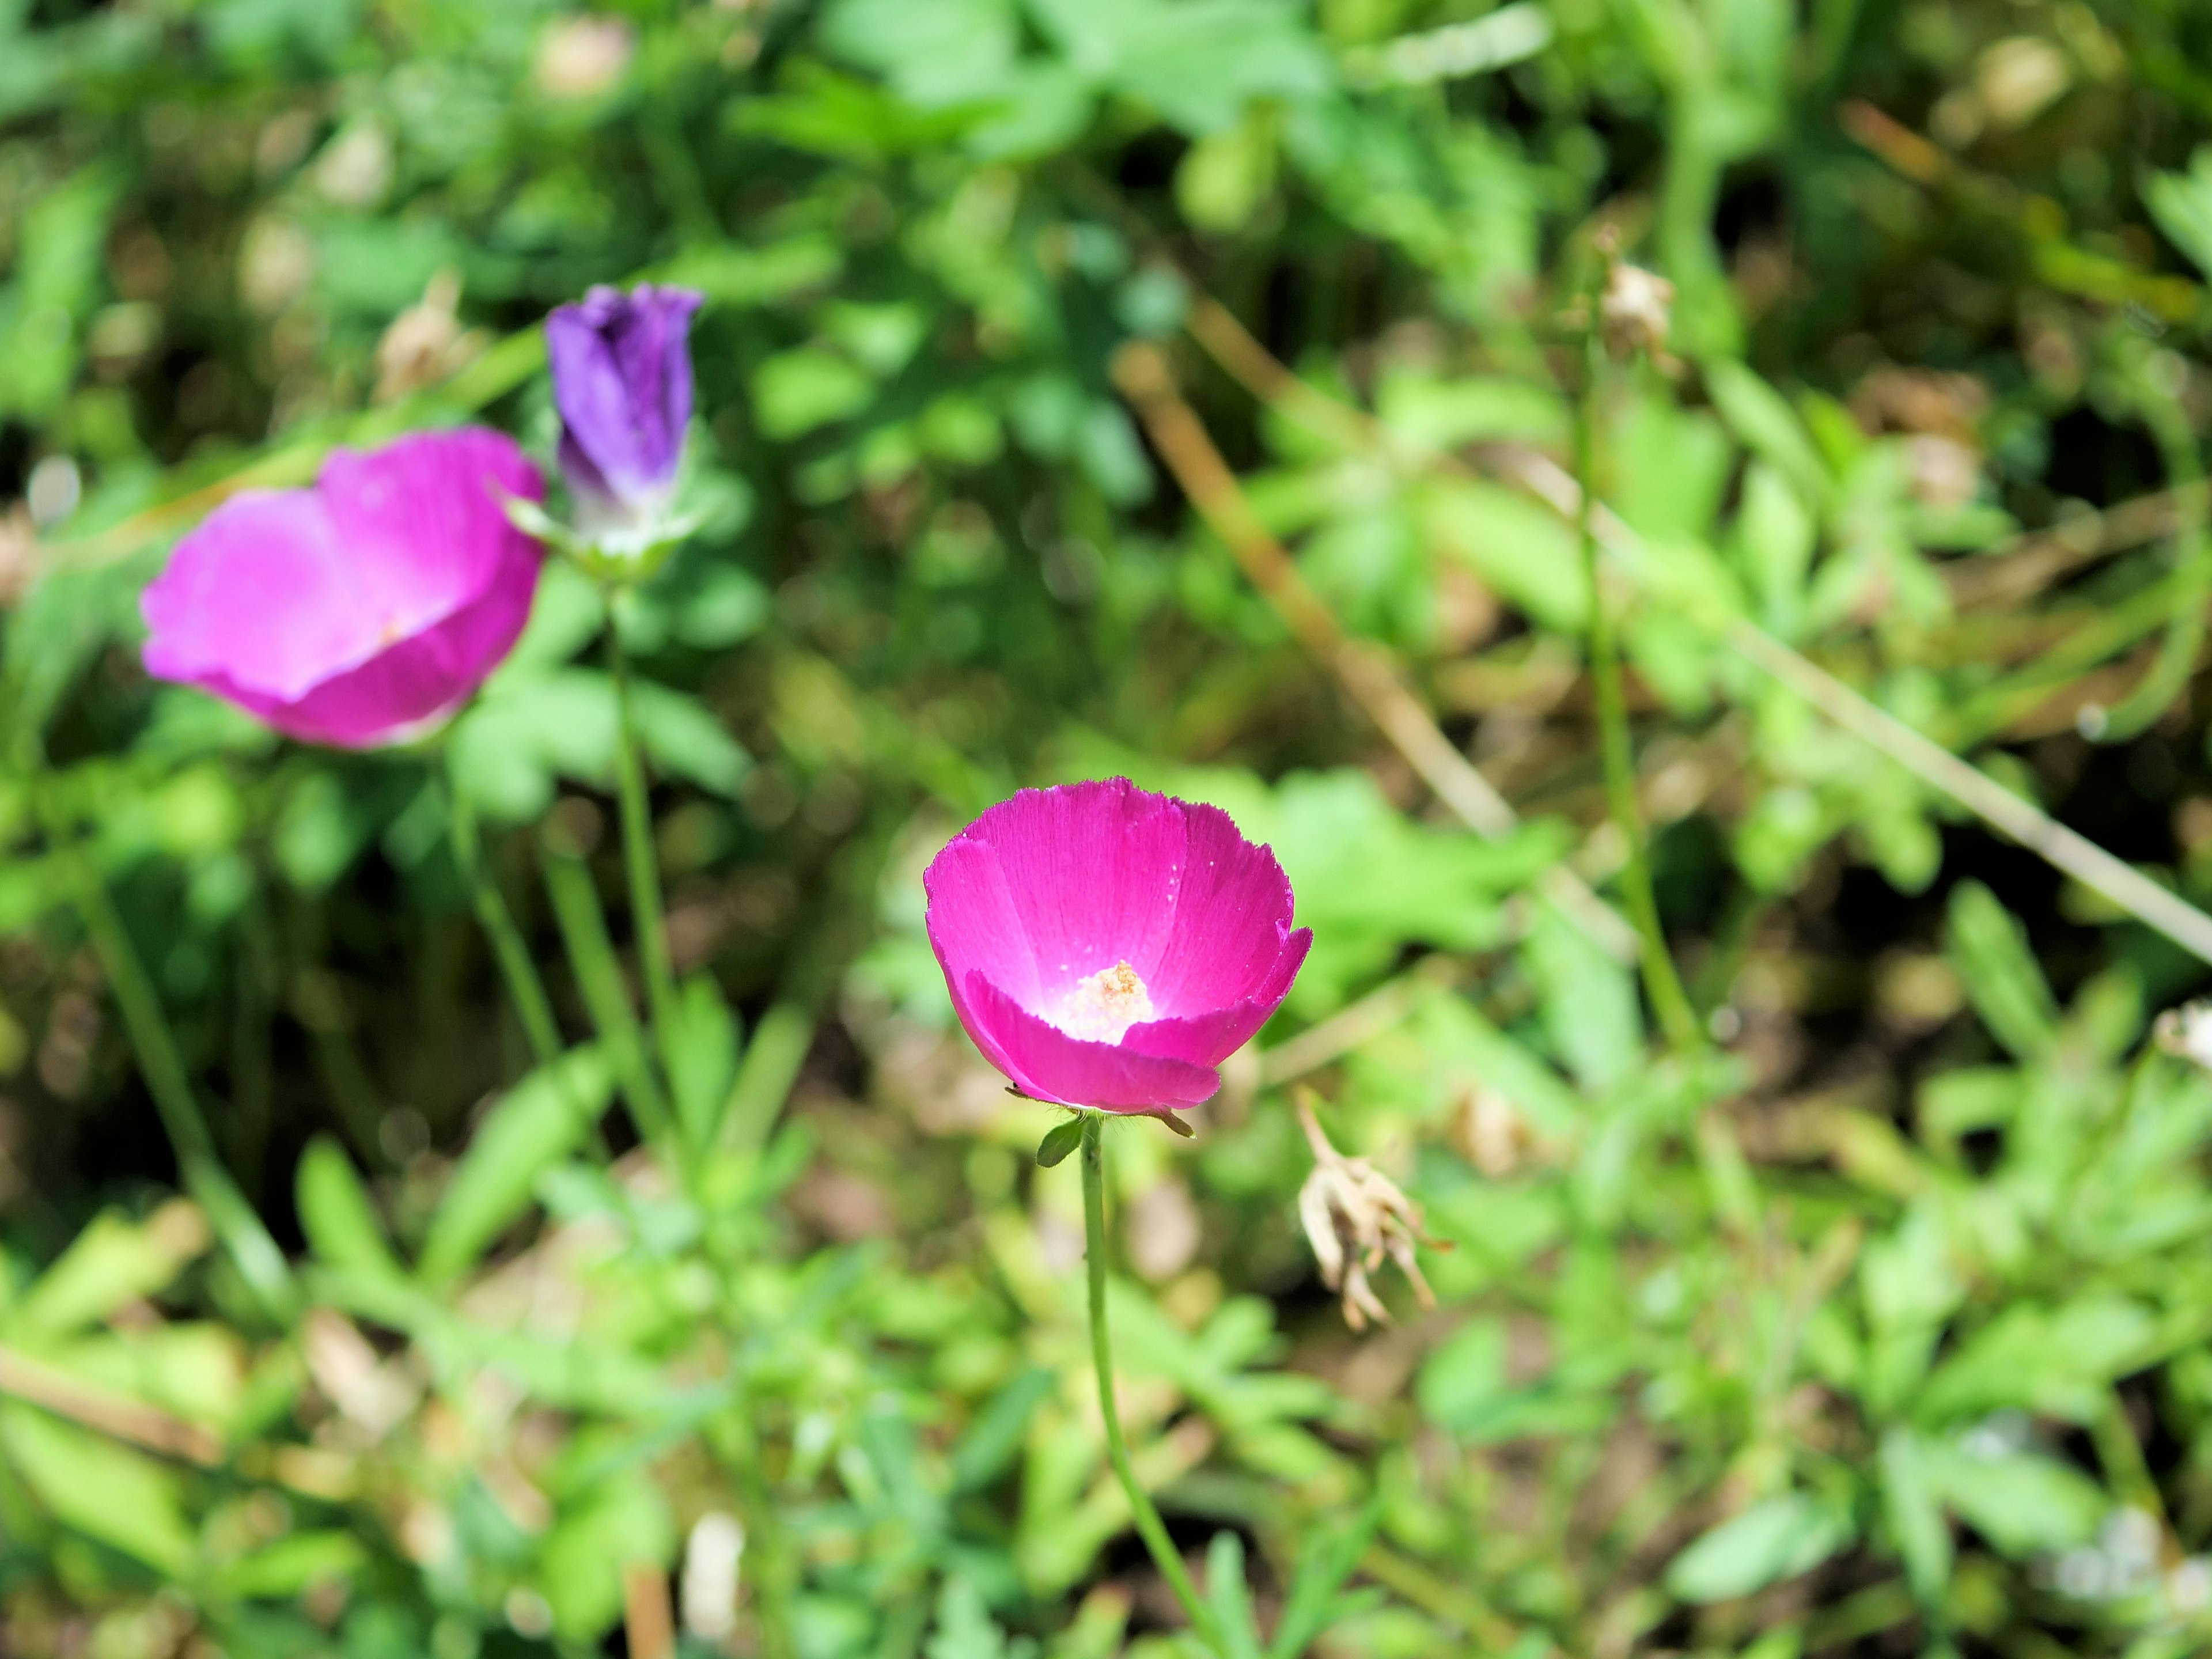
x=361 y=611
x=1109 y=947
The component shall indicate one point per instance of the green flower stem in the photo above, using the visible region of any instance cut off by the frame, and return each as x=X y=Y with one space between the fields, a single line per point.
x=258 y=1261
x=524 y=986
x=598 y=976
x=647 y=917
x=1661 y=982
x=1150 y=1526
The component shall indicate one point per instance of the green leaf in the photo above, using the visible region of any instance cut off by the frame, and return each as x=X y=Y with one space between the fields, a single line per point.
x=1329 y=1558
x=1915 y=1518
x=1769 y=1542
x=681 y=736
x=1466 y=1376
x=2059 y=1361
x=934 y=56
x=731 y=275
x=1059 y=1141
x=964 y=1629
x=1763 y=420
x=772 y=1060
x=2025 y=1503
x=1197 y=62
x=1590 y=1009
x=540 y=1121
x=993 y=1438
x=1774 y=539
x=194 y=1368
x=105 y=1491
x=56 y=272
x=2000 y=974
x=528 y=729
x=297 y=1562
x=1229 y=1596
x=1524 y=550
x=2181 y=202
x=702 y=1061
x=336 y=1213
x=796 y=391
x=622 y=1522
x=111 y=1262
x=1439 y=415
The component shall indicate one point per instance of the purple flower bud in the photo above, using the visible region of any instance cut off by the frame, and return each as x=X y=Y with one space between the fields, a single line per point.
x=1109 y=947
x=365 y=610
x=622 y=379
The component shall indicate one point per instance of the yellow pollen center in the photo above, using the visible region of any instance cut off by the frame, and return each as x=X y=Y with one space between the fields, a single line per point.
x=1101 y=1006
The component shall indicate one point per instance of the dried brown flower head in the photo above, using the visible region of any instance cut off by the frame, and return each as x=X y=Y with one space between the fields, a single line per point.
x=1354 y=1216
x=1635 y=308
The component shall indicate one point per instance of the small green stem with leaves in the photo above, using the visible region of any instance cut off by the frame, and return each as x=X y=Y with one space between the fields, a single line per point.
x=524 y=986
x=1661 y=982
x=647 y=915
x=1150 y=1526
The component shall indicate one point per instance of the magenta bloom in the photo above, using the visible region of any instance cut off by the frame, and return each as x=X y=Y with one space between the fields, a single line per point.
x=361 y=611
x=621 y=379
x=1109 y=947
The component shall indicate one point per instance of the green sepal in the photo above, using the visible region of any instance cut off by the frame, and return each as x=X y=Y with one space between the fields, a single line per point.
x=1059 y=1141
x=615 y=556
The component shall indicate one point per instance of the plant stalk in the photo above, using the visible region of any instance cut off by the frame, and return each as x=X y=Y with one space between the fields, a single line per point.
x=1150 y=1526
x=1668 y=1000
x=647 y=915
x=201 y=1172
x=598 y=976
x=524 y=986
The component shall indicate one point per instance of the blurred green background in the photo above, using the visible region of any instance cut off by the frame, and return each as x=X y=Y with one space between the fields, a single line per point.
x=1884 y=1328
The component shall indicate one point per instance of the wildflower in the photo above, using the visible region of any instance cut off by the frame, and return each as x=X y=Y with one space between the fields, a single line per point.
x=363 y=611
x=1106 y=947
x=1354 y=1215
x=621 y=379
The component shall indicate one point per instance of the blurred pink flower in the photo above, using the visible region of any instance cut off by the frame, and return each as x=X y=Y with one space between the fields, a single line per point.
x=1109 y=947
x=363 y=611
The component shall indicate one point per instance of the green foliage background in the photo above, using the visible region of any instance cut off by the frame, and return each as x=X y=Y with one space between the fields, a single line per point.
x=1886 y=1326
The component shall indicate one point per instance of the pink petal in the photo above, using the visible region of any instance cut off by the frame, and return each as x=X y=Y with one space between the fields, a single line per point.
x=399 y=693
x=1046 y=1064
x=1232 y=914
x=423 y=520
x=1086 y=878
x=973 y=924
x=1208 y=1039
x=261 y=595
x=359 y=611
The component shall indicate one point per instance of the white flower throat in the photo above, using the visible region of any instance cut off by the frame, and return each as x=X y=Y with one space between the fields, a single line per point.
x=1101 y=1006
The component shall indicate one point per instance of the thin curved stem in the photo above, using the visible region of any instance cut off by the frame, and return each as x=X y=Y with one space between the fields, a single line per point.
x=2170 y=670
x=1668 y=1000
x=1150 y=1526
x=200 y=1170
x=524 y=986
x=647 y=915
x=598 y=976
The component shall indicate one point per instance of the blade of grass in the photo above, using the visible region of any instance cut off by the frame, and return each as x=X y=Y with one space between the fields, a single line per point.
x=599 y=978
